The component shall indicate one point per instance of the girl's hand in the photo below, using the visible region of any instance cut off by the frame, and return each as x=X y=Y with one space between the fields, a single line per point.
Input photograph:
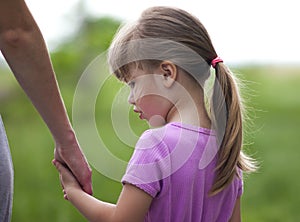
x=67 y=179
x=71 y=155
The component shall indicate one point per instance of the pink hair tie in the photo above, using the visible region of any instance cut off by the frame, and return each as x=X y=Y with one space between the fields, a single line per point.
x=215 y=61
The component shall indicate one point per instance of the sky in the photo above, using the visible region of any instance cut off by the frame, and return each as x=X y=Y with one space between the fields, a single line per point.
x=256 y=31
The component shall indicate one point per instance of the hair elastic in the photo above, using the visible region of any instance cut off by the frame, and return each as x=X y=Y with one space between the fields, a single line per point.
x=215 y=61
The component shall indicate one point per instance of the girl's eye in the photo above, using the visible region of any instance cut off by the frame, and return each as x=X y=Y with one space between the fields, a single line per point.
x=131 y=84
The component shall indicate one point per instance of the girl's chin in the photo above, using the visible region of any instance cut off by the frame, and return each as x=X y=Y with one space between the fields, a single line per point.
x=156 y=121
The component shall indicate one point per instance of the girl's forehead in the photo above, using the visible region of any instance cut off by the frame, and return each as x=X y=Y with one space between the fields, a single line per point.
x=138 y=69
x=135 y=73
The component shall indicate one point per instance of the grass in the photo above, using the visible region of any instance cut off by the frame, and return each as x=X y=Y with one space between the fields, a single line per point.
x=272 y=94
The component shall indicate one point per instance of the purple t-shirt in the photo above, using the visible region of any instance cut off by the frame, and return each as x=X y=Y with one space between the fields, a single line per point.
x=175 y=165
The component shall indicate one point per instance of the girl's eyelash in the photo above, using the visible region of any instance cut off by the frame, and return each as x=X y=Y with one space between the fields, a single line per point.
x=131 y=84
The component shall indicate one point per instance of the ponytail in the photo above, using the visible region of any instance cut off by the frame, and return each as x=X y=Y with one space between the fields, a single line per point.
x=227 y=118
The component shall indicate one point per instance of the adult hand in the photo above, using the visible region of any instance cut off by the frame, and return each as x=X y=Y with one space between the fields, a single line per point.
x=71 y=156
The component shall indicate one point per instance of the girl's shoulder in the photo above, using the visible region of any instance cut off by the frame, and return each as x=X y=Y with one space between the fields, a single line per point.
x=172 y=133
x=152 y=137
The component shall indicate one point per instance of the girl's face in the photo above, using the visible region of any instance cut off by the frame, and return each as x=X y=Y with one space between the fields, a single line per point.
x=149 y=96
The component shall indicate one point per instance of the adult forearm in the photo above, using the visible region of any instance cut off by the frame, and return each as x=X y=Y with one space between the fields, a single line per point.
x=28 y=58
x=24 y=49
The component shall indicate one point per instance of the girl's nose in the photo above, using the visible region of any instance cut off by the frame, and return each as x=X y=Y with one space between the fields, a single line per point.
x=131 y=98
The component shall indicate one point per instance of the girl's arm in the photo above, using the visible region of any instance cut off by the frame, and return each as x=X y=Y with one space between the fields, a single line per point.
x=132 y=205
x=236 y=215
x=24 y=49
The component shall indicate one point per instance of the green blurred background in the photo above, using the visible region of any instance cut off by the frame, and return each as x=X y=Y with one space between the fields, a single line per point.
x=272 y=134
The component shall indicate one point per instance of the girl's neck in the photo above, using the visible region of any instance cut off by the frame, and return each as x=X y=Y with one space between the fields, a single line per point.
x=191 y=112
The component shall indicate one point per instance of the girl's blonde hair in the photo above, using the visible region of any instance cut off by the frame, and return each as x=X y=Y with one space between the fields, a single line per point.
x=176 y=25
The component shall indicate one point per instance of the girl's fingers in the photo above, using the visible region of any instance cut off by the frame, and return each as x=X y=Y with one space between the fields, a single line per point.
x=65 y=195
x=58 y=165
x=55 y=163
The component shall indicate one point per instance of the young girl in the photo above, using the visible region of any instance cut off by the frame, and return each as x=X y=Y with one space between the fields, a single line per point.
x=188 y=168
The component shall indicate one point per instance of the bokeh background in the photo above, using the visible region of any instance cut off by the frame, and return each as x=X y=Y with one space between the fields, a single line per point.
x=271 y=89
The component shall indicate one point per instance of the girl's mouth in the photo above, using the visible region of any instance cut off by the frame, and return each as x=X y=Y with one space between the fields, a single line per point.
x=140 y=113
x=141 y=116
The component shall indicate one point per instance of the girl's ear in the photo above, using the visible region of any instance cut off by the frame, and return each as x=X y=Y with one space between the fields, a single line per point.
x=169 y=71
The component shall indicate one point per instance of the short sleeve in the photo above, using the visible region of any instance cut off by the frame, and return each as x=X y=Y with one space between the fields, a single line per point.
x=149 y=163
